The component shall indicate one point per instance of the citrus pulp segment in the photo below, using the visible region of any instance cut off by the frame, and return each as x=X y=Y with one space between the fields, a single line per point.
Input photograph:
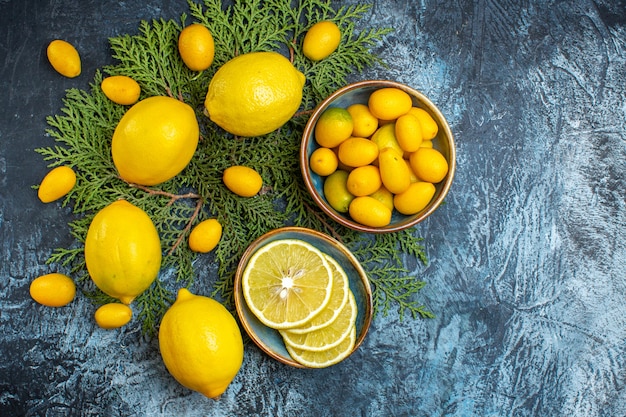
x=325 y=358
x=338 y=300
x=286 y=283
x=326 y=337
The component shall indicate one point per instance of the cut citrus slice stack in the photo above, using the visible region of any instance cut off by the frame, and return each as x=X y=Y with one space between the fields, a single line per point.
x=286 y=283
x=338 y=299
x=327 y=337
x=325 y=358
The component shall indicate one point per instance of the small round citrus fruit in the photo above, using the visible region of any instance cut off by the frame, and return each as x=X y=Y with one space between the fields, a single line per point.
x=113 y=315
x=384 y=196
x=336 y=191
x=389 y=103
x=64 y=58
x=333 y=127
x=429 y=164
x=357 y=152
x=365 y=123
x=370 y=212
x=321 y=40
x=323 y=161
x=56 y=184
x=155 y=140
x=408 y=132
x=122 y=251
x=428 y=124
x=385 y=137
x=53 y=290
x=121 y=89
x=364 y=180
x=201 y=344
x=286 y=283
x=196 y=47
x=243 y=181
x=254 y=94
x=415 y=198
x=205 y=236
x=394 y=172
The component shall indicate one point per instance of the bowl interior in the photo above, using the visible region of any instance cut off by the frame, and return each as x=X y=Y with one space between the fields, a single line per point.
x=359 y=93
x=270 y=340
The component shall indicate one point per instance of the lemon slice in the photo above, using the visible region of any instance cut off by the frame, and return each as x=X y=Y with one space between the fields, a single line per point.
x=325 y=358
x=338 y=299
x=286 y=283
x=327 y=337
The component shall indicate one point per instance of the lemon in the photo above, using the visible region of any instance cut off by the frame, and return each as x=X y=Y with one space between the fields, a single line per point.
x=389 y=103
x=325 y=358
x=370 y=212
x=323 y=161
x=356 y=152
x=205 y=236
x=201 y=344
x=321 y=40
x=242 y=180
x=155 y=140
x=364 y=180
x=113 y=315
x=121 y=89
x=415 y=198
x=254 y=94
x=196 y=47
x=365 y=123
x=429 y=164
x=334 y=126
x=53 y=290
x=336 y=191
x=328 y=336
x=428 y=124
x=56 y=184
x=122 y=251
x=286 y=283
x=64 y=58
x=336 y=304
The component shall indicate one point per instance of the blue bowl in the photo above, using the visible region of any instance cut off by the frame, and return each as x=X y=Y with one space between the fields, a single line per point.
x=359 y=92
x=268 y=339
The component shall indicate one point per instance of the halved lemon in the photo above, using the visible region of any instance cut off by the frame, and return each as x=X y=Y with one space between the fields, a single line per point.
x=338 y=299
x=286 y=283
x=329 y=336
x=325 y=358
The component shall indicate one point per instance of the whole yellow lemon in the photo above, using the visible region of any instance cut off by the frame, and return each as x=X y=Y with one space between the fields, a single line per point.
x=155 y=140
x=200 y=343
x=122 y=251
x=254 y=94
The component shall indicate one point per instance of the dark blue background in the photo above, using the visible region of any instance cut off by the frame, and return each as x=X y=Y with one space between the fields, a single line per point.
x=527 y=272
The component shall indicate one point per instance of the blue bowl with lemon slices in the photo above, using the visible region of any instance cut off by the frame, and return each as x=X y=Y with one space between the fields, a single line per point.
x=359 y=93
x=302 y=297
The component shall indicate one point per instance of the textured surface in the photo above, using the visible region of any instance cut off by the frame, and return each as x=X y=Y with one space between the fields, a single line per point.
x=527 y=272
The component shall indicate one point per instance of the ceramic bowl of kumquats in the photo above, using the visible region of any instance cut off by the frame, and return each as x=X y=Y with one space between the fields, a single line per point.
x=302 y=297
x=377 y=156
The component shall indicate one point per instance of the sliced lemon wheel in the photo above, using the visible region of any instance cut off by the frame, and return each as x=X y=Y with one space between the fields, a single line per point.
x=325 y=358
x=338 y=299
x=327 y=337
x=286 y=283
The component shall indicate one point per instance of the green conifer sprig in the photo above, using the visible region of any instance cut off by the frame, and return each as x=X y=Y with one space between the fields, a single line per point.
x=83 y=131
